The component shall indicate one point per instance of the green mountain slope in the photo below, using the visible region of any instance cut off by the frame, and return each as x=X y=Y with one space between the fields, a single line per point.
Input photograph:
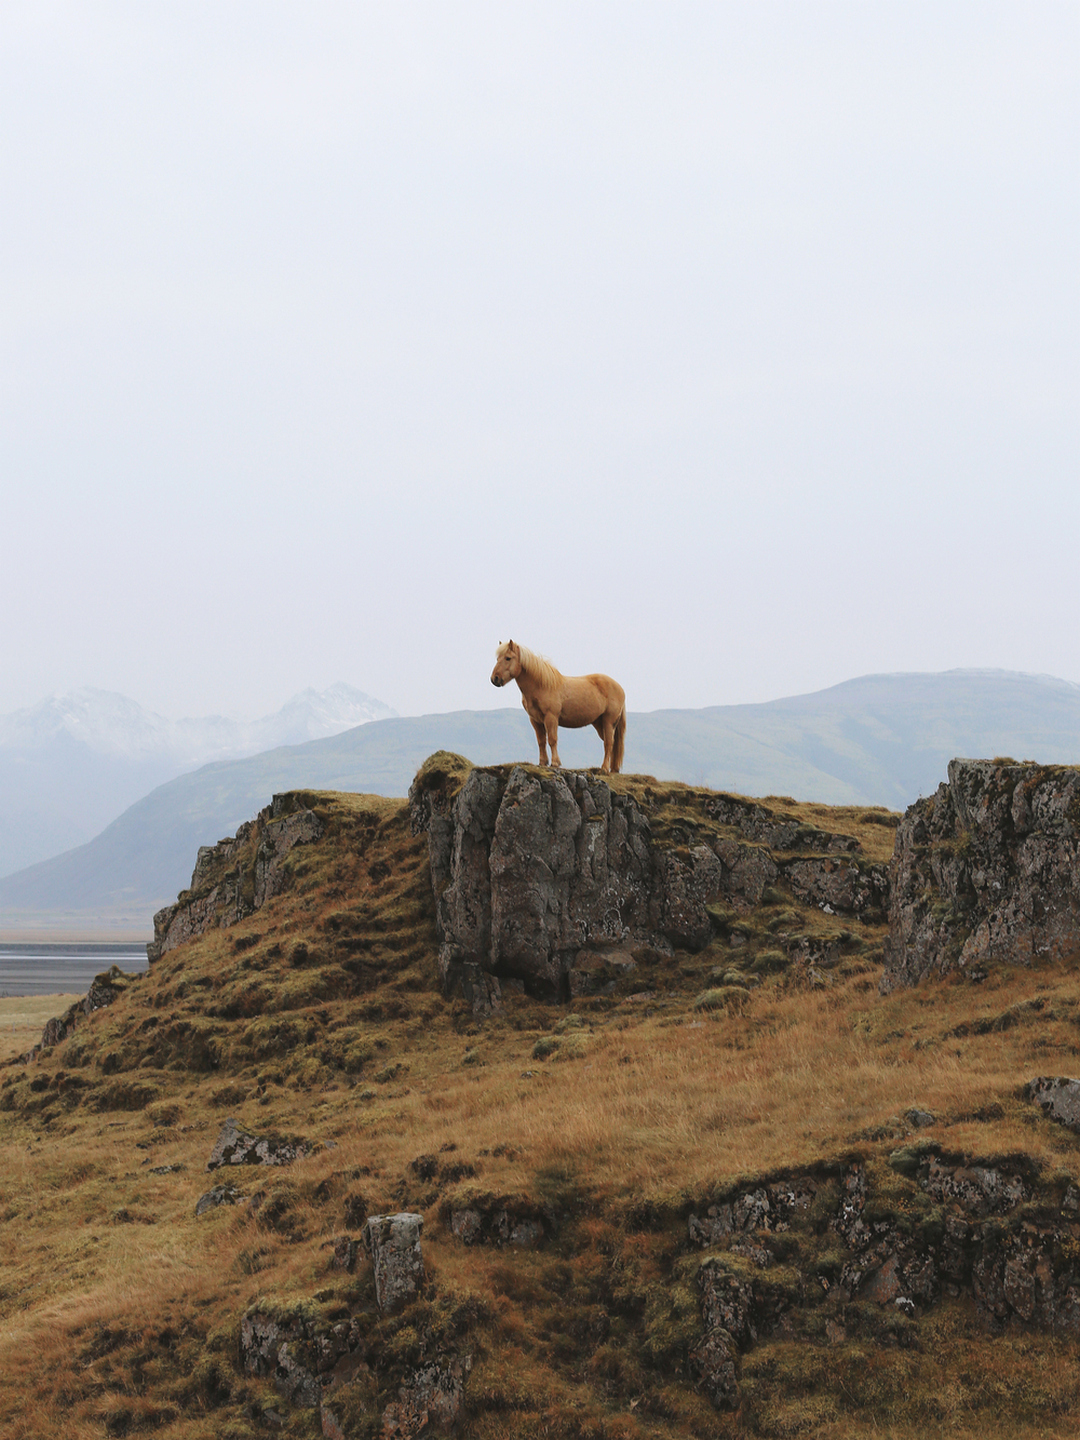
x=878 y=740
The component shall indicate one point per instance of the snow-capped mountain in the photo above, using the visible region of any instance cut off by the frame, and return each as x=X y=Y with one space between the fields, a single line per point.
x=72 y=763
x=315 y=715
x=110 y=724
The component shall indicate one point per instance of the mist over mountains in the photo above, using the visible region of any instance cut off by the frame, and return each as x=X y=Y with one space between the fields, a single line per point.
x=877 y=740
x=72 y=763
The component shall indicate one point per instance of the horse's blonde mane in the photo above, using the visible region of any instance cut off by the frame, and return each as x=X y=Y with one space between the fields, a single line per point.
x=532 y=663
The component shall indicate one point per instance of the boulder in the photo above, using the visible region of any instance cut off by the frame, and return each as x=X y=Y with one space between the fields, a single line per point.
x=1059 y=1098
x=393 y=1242
x=219 y=1195
x=237 y=1147
x=985 y=872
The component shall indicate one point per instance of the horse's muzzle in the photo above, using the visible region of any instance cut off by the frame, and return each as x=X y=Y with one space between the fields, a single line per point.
x=495 y=680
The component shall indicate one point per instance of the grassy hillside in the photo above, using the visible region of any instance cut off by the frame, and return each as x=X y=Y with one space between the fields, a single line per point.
x=614 y=1119
x=881 y=740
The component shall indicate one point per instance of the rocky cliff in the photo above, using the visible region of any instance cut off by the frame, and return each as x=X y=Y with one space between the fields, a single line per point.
x=986 y=871
x=548 y=881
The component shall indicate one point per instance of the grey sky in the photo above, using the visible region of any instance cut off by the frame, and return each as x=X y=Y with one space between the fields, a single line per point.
x=730 y=348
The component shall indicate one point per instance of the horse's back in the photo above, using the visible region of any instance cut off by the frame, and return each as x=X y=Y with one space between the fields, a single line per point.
x=586 y=698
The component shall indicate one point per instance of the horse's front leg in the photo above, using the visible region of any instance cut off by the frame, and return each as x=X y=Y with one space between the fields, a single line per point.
x=541 y=740
x=551 y=724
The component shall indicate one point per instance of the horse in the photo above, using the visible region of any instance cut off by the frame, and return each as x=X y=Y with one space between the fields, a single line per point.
x=552 y=699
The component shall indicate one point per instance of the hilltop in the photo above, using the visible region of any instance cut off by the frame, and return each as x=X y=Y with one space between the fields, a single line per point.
x=702 y=1180
x=878 y=740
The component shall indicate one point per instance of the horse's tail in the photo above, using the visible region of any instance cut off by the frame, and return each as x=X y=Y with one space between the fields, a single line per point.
x=618 y=743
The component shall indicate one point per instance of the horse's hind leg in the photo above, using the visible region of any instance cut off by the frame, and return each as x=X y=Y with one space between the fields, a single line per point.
x=606 y=730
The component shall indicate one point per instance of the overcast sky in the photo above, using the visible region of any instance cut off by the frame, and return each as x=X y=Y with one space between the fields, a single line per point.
x=730 y=348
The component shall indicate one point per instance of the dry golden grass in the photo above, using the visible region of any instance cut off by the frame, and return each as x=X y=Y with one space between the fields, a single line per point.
x=119 y=1312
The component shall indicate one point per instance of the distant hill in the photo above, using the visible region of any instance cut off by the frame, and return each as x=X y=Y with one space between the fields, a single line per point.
x=878 y=740
x=73 y=763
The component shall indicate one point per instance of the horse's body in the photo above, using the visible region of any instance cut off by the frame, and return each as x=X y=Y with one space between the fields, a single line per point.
x=552 y=699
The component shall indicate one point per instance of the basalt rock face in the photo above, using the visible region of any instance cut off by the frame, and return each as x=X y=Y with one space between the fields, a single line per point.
x=986 y=871
x=237 y=876
x=529 y=870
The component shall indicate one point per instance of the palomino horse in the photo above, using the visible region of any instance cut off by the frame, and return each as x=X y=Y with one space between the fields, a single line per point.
x=551 y=699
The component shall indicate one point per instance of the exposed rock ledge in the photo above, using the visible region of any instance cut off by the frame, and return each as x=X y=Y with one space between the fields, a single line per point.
x=238 y=875
x=540 y=877
x=987 y=870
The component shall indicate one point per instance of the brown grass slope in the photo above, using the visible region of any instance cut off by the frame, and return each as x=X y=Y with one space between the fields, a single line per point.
x=319 y=1015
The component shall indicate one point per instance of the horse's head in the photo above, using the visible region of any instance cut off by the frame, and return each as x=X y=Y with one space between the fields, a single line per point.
x=507 y=663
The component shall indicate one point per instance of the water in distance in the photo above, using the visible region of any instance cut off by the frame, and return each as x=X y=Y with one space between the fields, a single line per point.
x=63 y=969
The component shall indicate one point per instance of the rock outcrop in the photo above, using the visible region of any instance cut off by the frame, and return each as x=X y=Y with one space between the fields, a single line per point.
x=431 y=1399
x=546 y=879
x=393 y=1242
x=307 y=1360
x=105 y=989
x=329 y=1362
x=986 y=871
x=492 y=1220
x=530 y=869
x=984 y=1236
x=238 y=875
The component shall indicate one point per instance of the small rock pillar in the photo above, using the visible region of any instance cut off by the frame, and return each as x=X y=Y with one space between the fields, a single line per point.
x=393 y=1241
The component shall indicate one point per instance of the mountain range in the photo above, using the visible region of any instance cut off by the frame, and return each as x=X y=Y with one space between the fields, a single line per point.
x=73 y=763
x=877 y=740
